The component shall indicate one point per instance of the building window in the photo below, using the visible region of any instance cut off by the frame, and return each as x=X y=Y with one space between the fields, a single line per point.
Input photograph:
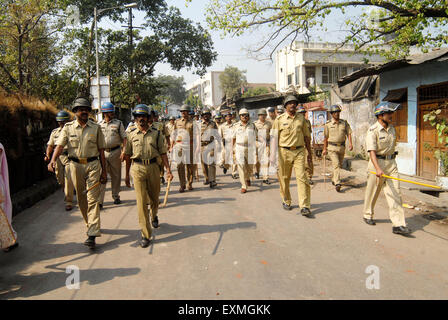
x=310 y=76
x=331 y=74
x=290 y=79
x=400 y=117
x=297 y=75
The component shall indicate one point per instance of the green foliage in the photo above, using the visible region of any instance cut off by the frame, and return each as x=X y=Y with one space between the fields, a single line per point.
x=441 y=124
x=231 y=82
x=193 y=101
x=172 y=89
x=251 y=92
x=397 y=23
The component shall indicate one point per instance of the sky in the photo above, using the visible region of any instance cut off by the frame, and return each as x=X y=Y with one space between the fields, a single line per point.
x=231 y=51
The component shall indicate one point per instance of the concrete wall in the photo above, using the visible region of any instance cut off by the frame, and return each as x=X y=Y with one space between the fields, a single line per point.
x=412 y=78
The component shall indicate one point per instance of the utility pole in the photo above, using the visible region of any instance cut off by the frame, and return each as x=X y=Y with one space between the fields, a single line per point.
x=131 y=49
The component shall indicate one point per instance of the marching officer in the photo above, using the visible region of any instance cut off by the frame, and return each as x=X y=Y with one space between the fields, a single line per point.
x=183 y=131
x=381 y=140
x=293 y=138
x=280 y=110
x=115 y=135
x=271 y=115
x=62 y=166
x=245 y=135
x=146 y=148
x=309 y=169
x=207 y=137
x=85 y=141
x=170 y=125
x=226 y=133
x=264 y=128
x=336 y=131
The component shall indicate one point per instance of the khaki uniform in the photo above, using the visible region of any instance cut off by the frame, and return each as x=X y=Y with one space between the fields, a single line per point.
x=292 y=154
x=114 y=135
x=226 y=133
x=147 y=147
x=130 y=127
x=245 y=135
x=170 y=128
x=263 y=146
x=336 y=133
x=83 y=145
x=383 y=141
x=309 y=169
x=163 y=130
x=63 y=168
x=209 y=170
x=185 y=145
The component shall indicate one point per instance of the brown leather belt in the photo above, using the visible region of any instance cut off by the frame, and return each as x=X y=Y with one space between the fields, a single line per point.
x=145 y=161
x=83 y=160
x=112 y=149
x=387 y=157
x=293 y=148
x=337 y=144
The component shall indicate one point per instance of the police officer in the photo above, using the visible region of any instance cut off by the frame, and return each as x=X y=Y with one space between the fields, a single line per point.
x=208 y=128
x=264 y=130
x=218 y=119
x=293 y=138
x=336 y=131
x=226 y=133
x=170 y=125
x=280 y=110
x=145 y=146
x=245 y=135
x=271 y=115
x=154 y=121
x=62 y=166
x=85 y=141
x=183 y=131
x=115 y=135
x=309 y=169
x=381 y=140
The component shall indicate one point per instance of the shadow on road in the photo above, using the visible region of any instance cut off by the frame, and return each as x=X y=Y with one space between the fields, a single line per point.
x=330 y=206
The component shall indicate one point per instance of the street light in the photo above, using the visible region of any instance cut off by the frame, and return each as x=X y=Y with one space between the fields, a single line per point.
x=96 y=12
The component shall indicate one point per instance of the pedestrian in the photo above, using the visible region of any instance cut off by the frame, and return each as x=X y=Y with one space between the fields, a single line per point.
x=309 y=169
x=86 y=144
x=6 y=205
x=245 y=133
x=264 y=131
x=115 y=136
x=228 y=151
x=145 y=148
x=62 y=169
x=183 y=146
x=292 y=138
x=336 y=131
x=208 y=132
x=381 y=141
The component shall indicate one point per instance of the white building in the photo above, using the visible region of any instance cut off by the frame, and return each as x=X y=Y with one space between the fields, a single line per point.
x=173 y=109
x=309 y=64
x=208 y=89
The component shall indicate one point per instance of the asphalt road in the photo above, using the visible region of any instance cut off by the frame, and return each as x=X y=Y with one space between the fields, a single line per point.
x=220 y=244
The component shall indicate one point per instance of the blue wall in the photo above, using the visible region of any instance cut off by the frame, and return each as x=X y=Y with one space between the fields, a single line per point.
x=412 y=77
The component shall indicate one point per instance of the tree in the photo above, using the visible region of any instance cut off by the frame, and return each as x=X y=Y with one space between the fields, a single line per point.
x=231 y=82
x=193 y=101
x=172 y=89
x=256 y=92
x=399 y=24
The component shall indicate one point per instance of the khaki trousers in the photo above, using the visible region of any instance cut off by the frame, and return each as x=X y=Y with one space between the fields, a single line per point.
x=244 y=169
x=336 y=155
x=190 y=168
x=85 y=176
x=391 y=191
x=287 y=160
x=113 y=167
x=226 y=165
x=64 y=178
x=265 y=167
x=147 y=184
x=209 y=170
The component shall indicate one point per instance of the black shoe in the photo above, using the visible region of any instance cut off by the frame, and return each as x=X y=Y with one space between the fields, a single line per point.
x=286 y=206
x=213 y=184
x=101 y=206
x=144 y=243
x=401 y=230
x=267 y=181
x=162 y=180
x=117 y=201
x=306 y=212
x=8 y=249
x=234 y=176
x=155 y=222
x=338 y=188
x=206 y=182
x=332 y=183
x=90 y=242
x=311 y=182
x=224 y=170
x=257 y=175
x=369 y=222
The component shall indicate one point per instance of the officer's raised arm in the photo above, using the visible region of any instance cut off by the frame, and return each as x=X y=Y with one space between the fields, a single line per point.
x=101 y=145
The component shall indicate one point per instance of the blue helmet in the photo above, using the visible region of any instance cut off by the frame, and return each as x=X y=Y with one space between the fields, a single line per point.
x=141 y=110
x=107 y=107
x=385 y=107
x=62 y=116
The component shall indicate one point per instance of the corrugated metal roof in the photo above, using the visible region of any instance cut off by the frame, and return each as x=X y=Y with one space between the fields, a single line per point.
x=435 y=55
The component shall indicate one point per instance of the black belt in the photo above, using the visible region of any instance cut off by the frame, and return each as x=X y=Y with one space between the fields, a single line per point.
x=387 y=157
x=145 y=161
x=337 y=144
x=64 y=153
x=293 y=148
x=112 y=149
x=83 y=160
x=205 y=143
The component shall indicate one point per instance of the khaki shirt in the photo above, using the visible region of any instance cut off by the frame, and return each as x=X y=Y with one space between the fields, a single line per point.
x=54 y=137
x=113 y=132
x=242 y=133
x=226 y=131
x=309 y=126
x=82 y=142
x=204 y=128
x=170 y=128
x=145 y=146
x=381 y=140
x=266 y=127
x=131 y=126
x=161 y=127
x=185 y=125
x=291 y=130
x=336 y=132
